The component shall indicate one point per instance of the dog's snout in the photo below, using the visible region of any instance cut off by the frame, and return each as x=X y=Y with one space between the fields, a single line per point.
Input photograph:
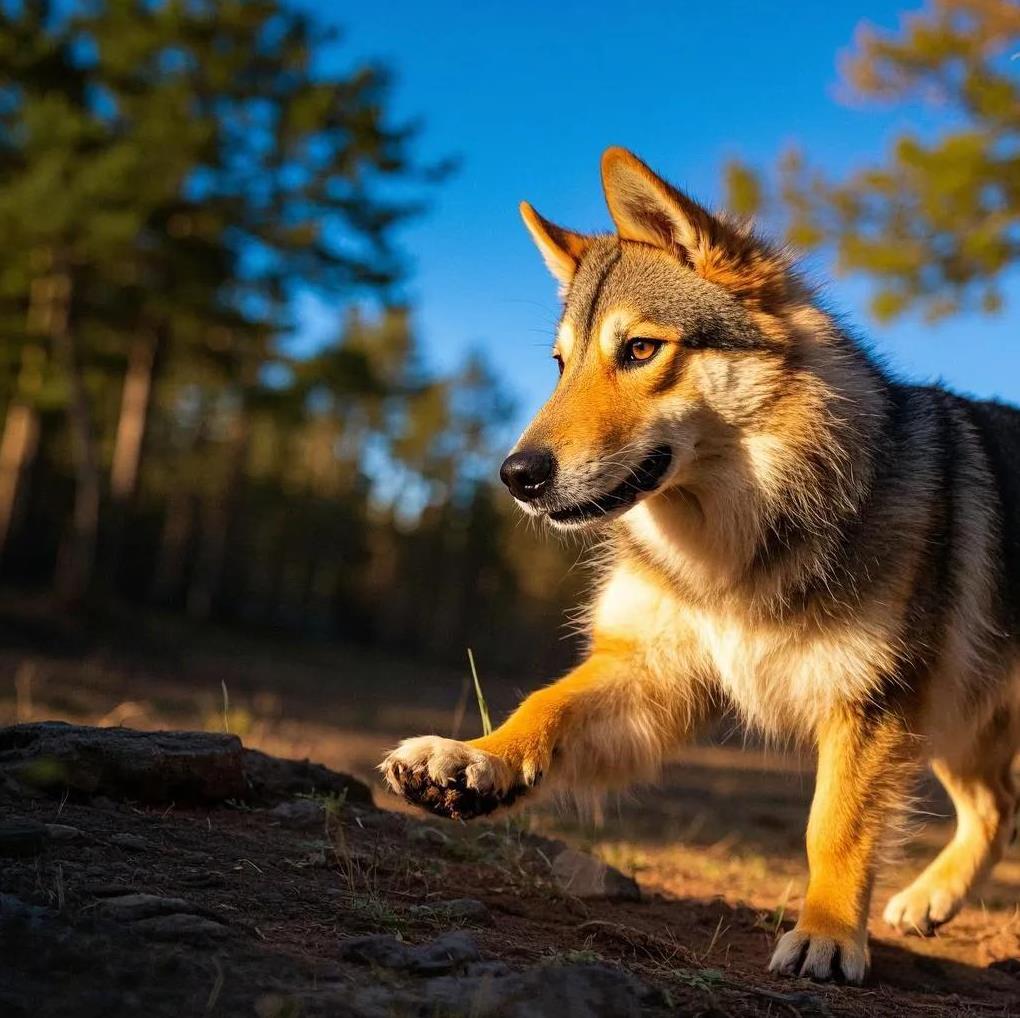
x=528 y=473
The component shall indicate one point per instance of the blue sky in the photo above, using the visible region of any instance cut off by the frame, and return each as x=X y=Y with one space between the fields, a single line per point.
x=528 y=95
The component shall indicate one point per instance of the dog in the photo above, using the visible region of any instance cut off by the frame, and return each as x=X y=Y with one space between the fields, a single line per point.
x=791 y=534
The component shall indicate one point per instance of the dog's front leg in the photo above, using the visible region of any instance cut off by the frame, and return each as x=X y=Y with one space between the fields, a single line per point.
x=864 y=768
x=606 y=723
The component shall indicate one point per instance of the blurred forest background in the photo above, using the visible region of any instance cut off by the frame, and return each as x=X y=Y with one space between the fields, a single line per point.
x=170 y=175
x=174 y=173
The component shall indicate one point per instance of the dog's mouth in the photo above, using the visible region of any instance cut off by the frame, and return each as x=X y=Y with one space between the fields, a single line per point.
x=642 y=479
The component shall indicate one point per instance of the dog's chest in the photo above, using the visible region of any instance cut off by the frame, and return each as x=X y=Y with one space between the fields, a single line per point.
x=786 y=680
x=783 y=679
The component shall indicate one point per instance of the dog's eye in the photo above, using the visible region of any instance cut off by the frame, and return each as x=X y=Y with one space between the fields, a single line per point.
x=559 y=362
x=639 y=350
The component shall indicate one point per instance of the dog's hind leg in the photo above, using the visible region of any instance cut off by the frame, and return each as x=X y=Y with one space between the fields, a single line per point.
x=983 y=793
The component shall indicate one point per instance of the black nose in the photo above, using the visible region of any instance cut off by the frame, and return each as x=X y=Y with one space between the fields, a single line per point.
x=528 y=473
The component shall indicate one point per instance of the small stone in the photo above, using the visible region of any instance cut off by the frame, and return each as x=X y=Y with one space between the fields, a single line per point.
x=442 y=955
x=22 y=838
x=428 y=836
x=132 y=842
x=130 y=907
x=584 y=876
x=456 y=910
x=62 y=832
x=377 y=949
x=180 y=927
x=300 y=812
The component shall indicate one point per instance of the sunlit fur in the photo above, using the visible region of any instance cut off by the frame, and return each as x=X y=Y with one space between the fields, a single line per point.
x=831 y=554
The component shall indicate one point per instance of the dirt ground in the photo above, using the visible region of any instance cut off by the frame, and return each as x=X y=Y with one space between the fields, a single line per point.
x=717 y=848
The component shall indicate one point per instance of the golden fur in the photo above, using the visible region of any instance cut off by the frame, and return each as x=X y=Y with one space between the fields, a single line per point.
x=790 y=534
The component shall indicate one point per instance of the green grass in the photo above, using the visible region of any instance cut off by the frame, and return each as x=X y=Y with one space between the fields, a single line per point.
x=483 y=707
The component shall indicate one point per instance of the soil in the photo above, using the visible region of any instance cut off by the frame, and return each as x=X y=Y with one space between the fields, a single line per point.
x=256 y=900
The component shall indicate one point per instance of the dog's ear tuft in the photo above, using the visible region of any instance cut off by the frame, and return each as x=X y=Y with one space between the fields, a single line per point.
x=647 y=209
x=561 y=249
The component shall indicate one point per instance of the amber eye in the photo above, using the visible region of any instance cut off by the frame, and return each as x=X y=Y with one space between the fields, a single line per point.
x=639 y=350
x=559 y=362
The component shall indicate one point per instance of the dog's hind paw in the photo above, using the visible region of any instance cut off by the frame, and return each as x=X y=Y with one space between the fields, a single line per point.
x=923 y=907
x=453 y=779
x=823 y=956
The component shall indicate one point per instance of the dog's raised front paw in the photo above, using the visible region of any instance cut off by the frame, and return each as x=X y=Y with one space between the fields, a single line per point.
x=454 y=779
x=821 y=955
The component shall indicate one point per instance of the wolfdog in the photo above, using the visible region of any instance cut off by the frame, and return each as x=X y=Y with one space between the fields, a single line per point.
x=793 y=535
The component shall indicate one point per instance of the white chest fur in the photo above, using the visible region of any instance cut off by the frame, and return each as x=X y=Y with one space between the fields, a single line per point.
x=786 y=680
x=782 y=679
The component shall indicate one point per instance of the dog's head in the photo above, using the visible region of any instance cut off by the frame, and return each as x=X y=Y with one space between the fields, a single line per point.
x=677 y=341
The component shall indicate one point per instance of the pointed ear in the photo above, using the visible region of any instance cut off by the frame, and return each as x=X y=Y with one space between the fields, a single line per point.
x=647 y=209
x=561 y=249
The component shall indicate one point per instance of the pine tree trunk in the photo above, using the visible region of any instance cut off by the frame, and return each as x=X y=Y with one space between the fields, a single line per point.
x=20 y=438
x=128 y=443
x=134 y=414
x=77 y=558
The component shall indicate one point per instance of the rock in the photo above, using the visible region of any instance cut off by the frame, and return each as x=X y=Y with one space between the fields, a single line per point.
x=160 y=767
x=584 y=876
x=271 y=778
x=428 y=836
x=577 y=991
x=300 y=812
x=22 y=838
x=179 y=927
x=548 y=848
x=442 y=955
x=132 y=842
x=122 y=763
x=62 y=832
x=456 y=910
x=129 y=907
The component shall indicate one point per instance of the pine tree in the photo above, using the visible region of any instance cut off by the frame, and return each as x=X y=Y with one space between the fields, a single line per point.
x=936 y=225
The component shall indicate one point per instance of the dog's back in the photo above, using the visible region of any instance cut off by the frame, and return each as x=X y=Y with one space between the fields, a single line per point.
x=999 y=428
